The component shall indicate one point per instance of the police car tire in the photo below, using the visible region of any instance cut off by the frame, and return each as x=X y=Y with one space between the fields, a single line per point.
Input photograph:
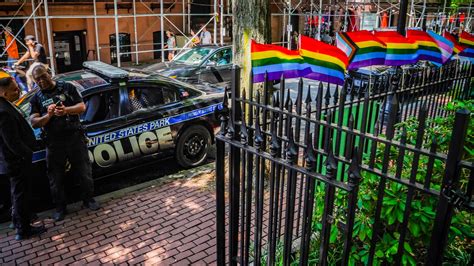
x=195 y=131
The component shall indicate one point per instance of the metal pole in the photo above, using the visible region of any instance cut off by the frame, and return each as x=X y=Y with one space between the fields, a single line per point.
x=34 y=19
x=467 y=25
x=97 y=42
x=320 y=19
x=135 y=31
x=446 y=18
x=287 y=27
x=346 y=26
x=215 y=22
x=283 y=26
x=377 y=25
x=189 y=15
x=50 y=39
x=162 y=32
x=222 y=21
x=402 y=17
x=184 y=17
x=117 y=42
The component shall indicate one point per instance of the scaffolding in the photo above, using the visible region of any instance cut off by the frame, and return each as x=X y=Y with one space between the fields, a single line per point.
x=315 y=17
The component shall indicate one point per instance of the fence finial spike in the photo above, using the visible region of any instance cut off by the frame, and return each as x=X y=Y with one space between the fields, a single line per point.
x=331 y=164
x=275 y=145
x=291 y=150
x=244 y=134
x=289 y=107
x=354 y=168
x=258 y=96
x=287 y=100
x=308 y=95
x=276 y=99
x=309 y=155
x=230 y=128
x=258 y=139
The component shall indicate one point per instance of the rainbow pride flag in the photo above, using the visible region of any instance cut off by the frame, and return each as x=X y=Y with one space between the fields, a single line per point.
x=427 y=47
x=322 y=61
x=400 y=50
x=457 y=47
x=362 y=48
x=275 y=61
x=467 y=40
x=445 y=46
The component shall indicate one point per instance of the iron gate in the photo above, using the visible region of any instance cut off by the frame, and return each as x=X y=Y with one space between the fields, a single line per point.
x=289 y=170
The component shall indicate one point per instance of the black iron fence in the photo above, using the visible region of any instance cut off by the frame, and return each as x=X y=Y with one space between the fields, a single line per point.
x=360 y=174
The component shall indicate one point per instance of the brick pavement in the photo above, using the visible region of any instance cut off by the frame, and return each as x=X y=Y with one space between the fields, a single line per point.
x=172 y=223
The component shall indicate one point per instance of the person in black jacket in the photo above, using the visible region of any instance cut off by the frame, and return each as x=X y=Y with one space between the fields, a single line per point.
x=56 y=109
x=16 y=144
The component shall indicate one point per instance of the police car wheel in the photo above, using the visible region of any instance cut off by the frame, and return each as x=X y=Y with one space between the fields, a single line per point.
x=193 y=146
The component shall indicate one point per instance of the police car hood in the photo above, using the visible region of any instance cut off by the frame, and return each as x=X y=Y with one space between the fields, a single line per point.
x=171 y=69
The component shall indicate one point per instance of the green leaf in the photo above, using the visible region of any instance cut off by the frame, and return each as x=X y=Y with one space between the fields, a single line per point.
x=414 y=229
x=407 y=247
x=379 y=254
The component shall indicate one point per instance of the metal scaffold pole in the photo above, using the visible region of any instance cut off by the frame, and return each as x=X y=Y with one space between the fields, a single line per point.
x=34 y=19
x=135 y=31
x=50 y=38
x=215 y=22
x=117 y=41
x=162 y=32
x=222 y=21
x=96 y=30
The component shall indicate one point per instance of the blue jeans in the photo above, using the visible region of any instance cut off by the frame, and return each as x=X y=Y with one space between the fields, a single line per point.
x=11 y=61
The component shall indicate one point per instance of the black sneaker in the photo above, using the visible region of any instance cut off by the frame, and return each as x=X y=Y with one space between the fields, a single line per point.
x=91 y=204
x=33 y=231
x=59 y=215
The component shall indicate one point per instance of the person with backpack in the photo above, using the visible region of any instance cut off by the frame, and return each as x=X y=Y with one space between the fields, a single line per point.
x=56 y=108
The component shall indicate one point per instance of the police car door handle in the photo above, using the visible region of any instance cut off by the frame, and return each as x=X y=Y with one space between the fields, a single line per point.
x=150 y=142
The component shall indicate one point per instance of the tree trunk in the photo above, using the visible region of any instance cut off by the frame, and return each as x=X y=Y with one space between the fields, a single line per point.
x=251 y=21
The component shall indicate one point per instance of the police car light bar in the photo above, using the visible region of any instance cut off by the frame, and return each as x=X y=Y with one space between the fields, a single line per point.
x=107 y=70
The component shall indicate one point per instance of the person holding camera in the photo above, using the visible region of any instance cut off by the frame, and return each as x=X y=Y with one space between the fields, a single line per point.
x=56 y=108
x=15 y=158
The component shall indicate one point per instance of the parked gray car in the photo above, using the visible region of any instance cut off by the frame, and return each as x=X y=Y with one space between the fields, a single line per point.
x=206 y=63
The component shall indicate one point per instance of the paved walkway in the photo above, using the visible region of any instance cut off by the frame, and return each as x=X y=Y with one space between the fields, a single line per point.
x=168 y=222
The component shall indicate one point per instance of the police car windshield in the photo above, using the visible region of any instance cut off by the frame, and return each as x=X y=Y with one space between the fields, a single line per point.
x=194 y=56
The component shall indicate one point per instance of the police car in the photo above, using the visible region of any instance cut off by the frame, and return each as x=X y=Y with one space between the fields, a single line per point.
x=133 y=117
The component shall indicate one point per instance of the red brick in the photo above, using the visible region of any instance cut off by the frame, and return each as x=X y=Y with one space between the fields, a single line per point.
x=14 y=257
x=95 y=239
x=65 y=262
x=108 y=240
x=78 y=246
x=70 y=254
x=94 y=257
x=141 y=251
x=46 y=251
x=52 y=260
x=26 y=258
x=197 y=257
x=39 y=259
x=11 y=247
x=183 y=255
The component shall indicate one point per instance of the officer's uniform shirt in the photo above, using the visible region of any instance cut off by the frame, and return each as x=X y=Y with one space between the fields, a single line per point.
x=58 y=127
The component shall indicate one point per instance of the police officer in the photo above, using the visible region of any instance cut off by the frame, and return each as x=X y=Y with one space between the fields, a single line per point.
x=16 y=148
x=56 y=109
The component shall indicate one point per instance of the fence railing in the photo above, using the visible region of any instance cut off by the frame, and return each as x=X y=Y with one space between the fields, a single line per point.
x=338 y=173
